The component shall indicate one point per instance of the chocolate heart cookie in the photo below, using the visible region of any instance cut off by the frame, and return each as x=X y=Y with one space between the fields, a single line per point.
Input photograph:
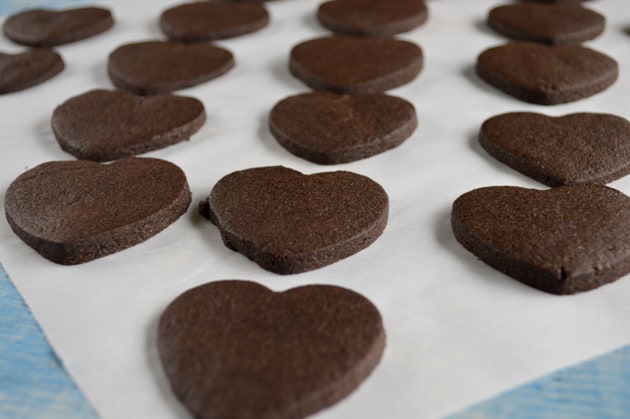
x=564 y=240
x=288 y=222
x=75 y=211
x=47 y=28
x=547 y=75
x=210 y=20
x=554 y=24
x=106 y=125
x=372 y=17
x=556 y=1
x=347 y=64
x=237 y=349
x=162 y=66
x=582 y=147
x=327 y=128
x=23 y=70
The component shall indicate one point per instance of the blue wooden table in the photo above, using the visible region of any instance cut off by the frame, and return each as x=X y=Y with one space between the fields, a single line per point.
x=33 y=381
x=12 y=6
x=599 y=388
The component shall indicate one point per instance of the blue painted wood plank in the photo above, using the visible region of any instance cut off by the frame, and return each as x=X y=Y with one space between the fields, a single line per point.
x=11 y=6
x=33 y=382
x=599 y=388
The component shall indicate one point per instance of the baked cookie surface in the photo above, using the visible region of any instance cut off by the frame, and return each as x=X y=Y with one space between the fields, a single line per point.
x=210 y=20
x=103 y=125
x=556 y=24
x=237 y=349
x=546 y=75
x=72 y=212
x=563 y=240
x=347 y=64
x=575 y=148
x=288 y=222
x=23 y=70
x=372 y=17
x=48 y=28
x=162 y=66
x=327 y=128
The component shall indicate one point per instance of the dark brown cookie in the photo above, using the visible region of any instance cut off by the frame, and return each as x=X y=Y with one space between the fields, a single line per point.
x=75 y=211
x=288 y=222
x=346 y=64
x=161 y=66
x=581 y=147
x=564 y=240
x=104 y=125
x=207 y=21
x=372 y=17
x=555 y=1
x=235 y=349
x=26 y=69
x=554 y=24
x=547 y=75
x=328 y=128
x=47 y=28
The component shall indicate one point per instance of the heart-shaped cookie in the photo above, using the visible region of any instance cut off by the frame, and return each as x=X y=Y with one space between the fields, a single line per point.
x=328 y=128
x=564 y=240
x=547 y=75
x=75 y=211
x=556 y=1
x=372 y=17
x=106 y=125
x=582 y=147
x=347 y=64
x=210 y=20
x=235 y=349
x=162 y=66
x=23 y=70
x=47 y=28
x=554 y=24
x=288 y=222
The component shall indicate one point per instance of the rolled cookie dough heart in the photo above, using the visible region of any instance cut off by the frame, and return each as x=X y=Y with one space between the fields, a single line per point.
x=288 y=222
x=104 y=125
x=237 y=349
x=327 y=128
x=75 y=211
x=581 y=147
x=547 y=75
x=163 y=66
x=563 y=240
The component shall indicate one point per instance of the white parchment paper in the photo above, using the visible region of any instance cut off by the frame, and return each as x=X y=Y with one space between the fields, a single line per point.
x=458 y=331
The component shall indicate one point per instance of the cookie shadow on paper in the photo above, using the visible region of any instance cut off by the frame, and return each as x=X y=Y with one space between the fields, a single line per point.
x=46 y=138
x=475 y=146
x=280 y=71
x=470 y=73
